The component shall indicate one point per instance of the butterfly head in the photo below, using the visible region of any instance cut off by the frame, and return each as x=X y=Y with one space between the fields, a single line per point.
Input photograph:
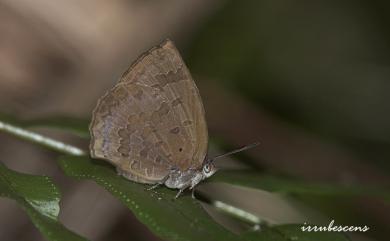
x=208 y=169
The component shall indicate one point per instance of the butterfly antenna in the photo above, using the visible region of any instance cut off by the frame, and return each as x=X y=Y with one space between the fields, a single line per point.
x=236 y=151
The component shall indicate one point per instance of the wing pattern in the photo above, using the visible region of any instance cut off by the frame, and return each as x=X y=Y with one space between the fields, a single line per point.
x=152 y=120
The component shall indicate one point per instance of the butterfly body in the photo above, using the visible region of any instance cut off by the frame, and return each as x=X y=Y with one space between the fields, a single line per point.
x=151 y=125
x=190 y=178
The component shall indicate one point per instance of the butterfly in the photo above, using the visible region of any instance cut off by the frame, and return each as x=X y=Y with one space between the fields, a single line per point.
x=151 y=125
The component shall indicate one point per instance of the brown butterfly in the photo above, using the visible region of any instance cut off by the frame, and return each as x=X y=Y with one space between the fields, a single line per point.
x=151 y=125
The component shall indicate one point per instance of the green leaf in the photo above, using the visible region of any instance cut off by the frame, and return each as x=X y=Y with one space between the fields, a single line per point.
x=292 y=186
x=181 y=219
x=39 y=197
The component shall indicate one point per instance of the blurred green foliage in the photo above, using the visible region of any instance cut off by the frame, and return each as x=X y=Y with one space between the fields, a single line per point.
x=320 y=65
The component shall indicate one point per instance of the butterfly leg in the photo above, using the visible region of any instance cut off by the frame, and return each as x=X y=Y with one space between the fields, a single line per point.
x=193 y=193
x=154 y=186
x=158 y=183
x=179 y=192
x=192 y=188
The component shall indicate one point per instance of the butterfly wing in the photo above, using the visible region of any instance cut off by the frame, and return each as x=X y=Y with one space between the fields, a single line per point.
x=153 y=119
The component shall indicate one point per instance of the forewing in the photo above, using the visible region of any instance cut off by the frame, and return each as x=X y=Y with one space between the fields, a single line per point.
x=153 y=119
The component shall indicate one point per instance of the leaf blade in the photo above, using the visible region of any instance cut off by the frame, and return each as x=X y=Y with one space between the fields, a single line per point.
x=39 y=197
x=181 y=219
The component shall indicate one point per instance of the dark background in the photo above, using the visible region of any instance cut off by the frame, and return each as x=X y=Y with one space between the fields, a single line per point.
x=309 y=79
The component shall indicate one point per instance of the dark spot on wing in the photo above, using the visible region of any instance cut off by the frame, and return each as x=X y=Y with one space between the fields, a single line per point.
x=164 y=109
x=187 y=123
x=139 y=94
x=158 y=160
x=123 y=133
x=144 y=152
x=175 y=130
x=171 y=77
x=177 y=102
x=124 y=151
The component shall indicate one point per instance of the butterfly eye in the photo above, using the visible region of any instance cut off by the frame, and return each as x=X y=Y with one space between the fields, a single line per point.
x=207 y=168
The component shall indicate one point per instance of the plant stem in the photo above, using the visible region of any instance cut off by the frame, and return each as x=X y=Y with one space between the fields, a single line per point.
x=233 y=211
x=237 y=212
x=40 y=139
